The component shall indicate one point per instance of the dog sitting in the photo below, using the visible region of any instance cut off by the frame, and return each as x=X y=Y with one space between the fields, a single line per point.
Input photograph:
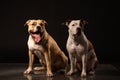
x=41 y=44
x=81 y=52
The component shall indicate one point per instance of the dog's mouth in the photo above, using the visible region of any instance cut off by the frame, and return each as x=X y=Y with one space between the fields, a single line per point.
x=36 y=36
x=78 y=33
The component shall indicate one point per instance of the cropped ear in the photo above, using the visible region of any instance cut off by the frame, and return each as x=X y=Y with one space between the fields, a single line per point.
x=83 y=23
x=27 y=22
x=66 y=22
x=44 y=22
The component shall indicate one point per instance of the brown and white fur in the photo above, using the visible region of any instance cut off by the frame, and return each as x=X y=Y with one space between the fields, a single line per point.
x=41 y=44
x=81 y=52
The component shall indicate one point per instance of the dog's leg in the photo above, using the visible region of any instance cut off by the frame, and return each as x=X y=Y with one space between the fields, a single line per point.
x=61 y=65
x=92 y=64
x=84 y=64
x=64 y=63
x=72 y=64
x=31 y=59
x=42 y=67
x=48 y=64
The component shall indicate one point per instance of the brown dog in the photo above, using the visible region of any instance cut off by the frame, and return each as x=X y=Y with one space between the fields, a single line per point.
x=45 y=48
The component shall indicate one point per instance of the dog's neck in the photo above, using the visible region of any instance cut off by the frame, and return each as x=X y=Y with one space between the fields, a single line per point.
x=79 y=39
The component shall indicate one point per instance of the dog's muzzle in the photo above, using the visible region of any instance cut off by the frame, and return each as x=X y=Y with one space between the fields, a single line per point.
x=38 y=28
x=36 y=35
x=78 y=32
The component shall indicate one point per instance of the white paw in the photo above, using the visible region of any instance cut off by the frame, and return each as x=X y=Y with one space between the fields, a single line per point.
x=49 y=74
x=83 y=75
x=27 y=71
x=69 y=73
x=91 y=73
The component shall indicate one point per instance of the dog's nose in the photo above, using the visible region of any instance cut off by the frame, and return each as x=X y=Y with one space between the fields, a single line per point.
x=78 y=29
x=38 y=28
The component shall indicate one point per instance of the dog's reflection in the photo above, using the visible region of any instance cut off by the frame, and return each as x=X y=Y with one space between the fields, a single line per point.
x=78 y=77
x=37 y=75
x=31 y=77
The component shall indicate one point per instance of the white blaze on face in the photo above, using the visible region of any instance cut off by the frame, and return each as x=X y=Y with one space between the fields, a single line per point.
x=73 y=26
x=33 y=29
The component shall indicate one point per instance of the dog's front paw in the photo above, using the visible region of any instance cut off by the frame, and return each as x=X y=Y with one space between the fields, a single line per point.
x=83 y=75
x=72 y=72
x=50 y=74
x=69 y=73
x=92 y=73
x=27 y=71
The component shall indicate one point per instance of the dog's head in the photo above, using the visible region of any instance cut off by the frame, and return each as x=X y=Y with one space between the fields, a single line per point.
x=76 y=26
x=36 y=28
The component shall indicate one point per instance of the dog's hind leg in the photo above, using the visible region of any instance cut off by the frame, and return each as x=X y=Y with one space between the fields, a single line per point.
x=42 y=67
x=92 y=64
x=61 y=65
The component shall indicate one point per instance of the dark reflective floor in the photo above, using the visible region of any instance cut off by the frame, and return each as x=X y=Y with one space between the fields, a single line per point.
x=15 y=72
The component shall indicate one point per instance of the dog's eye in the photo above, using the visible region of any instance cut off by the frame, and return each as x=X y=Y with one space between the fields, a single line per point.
x=74 y=24
x=33 y=24
x=41 y=24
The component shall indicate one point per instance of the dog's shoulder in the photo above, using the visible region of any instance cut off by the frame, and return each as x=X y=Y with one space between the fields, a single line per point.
x=90 y=45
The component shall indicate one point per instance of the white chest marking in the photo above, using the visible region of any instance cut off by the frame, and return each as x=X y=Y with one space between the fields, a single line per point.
x=37 y=49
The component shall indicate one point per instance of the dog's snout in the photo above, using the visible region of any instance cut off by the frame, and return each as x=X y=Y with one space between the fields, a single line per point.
x=38 y=28
x=78 y=29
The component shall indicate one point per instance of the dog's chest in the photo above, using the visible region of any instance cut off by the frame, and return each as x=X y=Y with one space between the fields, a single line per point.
x=35 y=47
x=73 y=48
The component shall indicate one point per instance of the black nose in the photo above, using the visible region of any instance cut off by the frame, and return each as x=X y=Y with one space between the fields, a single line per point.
x=38 y=28
x=78 y=29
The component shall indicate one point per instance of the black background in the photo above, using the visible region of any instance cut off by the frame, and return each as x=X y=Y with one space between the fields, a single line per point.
x=102 y=29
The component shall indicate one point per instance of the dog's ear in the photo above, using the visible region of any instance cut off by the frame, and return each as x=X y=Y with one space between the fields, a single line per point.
x=83 y=23
x=27 y=22
x=44 y=22
x=66 y=23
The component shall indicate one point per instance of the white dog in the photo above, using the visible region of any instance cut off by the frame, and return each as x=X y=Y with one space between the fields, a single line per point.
x=81 y=52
